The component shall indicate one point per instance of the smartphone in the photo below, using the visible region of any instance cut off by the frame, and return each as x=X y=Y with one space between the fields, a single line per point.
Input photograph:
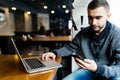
x=78 y=56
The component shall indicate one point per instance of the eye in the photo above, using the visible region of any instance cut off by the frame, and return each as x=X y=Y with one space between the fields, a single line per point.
x=98 y=17
x=89 y=17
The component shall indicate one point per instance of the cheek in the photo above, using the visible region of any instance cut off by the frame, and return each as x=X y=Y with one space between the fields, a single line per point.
x=90 y=21
x=102 y=22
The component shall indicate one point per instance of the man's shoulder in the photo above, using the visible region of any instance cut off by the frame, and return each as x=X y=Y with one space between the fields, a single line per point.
x=85 y=28
x=84 y=31
x=115 y=29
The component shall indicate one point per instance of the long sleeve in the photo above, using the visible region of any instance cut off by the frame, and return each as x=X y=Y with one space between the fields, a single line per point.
x=68 y=49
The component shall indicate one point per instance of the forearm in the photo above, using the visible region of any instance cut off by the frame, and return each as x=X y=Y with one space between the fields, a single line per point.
x=64 y=51
x=67 y=49
x=108 y=71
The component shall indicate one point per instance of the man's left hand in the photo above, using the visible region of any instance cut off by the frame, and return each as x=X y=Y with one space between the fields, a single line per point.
x=87 y=64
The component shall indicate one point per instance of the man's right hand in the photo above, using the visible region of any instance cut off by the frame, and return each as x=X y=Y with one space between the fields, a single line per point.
x=48 y=55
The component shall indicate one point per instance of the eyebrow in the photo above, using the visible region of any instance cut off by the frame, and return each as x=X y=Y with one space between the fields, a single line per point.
x=94 y=17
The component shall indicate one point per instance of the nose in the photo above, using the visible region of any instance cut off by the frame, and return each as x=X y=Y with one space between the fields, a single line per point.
x=93 y=21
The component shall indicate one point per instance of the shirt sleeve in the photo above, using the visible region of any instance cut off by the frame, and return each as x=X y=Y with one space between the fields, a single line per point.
x=69 y=48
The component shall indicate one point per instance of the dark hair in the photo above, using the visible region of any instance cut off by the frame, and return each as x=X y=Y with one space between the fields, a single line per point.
x=98 y=3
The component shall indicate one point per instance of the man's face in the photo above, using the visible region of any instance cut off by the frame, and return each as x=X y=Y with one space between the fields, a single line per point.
x=97 y=19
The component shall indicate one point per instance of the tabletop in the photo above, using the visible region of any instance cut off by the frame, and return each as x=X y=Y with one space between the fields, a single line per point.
x=49 y=38
x=12 y=69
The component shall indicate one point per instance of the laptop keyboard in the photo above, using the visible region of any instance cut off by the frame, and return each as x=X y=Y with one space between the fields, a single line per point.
x=34 y=63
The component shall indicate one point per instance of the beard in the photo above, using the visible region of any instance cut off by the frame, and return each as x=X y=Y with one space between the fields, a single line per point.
x=97 y=29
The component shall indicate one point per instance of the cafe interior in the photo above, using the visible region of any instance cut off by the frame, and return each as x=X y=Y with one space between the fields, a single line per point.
x=38 y=26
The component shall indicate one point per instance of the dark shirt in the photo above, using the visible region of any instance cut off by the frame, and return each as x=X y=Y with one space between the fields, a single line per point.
x=41 y=30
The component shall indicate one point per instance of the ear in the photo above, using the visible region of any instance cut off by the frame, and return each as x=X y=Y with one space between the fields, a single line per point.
x=109 y=15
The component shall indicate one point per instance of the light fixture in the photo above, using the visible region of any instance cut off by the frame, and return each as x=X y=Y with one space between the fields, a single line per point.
x=45 y=7
x=63 y=6
x=28 y=12
x=13 y=8
x=52 y=11
x=66 y=11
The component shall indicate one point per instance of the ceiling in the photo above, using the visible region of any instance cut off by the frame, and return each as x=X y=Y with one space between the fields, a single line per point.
x=52 y=4
x=37 y=5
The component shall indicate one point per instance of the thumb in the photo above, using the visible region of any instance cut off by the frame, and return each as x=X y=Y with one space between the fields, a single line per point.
x=87 y=60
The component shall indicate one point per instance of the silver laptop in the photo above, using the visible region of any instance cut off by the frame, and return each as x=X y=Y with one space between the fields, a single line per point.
x=34 y=64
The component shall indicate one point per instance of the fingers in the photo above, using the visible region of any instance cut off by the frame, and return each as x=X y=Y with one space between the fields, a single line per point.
x=44 y=57
x=53 y=57
x=48 y=55
x=87 y=64
x=82 y=66
x=80 y=62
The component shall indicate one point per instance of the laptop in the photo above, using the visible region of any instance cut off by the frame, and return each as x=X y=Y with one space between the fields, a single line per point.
x=35 y=64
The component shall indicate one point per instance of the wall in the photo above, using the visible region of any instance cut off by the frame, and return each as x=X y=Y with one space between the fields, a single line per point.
x=19 y=22
x=6 y=29
x=115 y=13
x=23 y=22
x=12 y=19
x=5 y=26
x=28 y=22
x=80 y=9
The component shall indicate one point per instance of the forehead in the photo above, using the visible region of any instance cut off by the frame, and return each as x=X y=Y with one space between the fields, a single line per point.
x=100 y=11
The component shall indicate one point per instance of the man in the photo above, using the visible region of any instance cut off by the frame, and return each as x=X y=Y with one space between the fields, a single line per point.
x=100 y=43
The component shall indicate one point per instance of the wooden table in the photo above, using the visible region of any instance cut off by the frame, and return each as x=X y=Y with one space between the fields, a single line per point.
x=49 y=38
x=48 y=41
x=45 y=41
x=12 y=69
